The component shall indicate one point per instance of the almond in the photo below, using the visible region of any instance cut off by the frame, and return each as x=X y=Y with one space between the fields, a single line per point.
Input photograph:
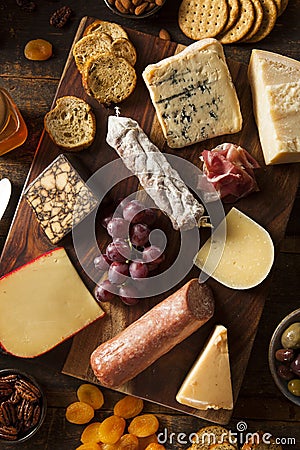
x=141 y=8
x=120 y=7
x=137 y=2
x=126 y=4
x=164 y=34
x=159 y=2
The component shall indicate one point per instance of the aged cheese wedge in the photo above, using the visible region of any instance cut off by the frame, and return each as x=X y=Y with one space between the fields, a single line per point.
x=275 y=85
x=208 y=384
x=42 y=304
x=193 y=94
x=242 y=257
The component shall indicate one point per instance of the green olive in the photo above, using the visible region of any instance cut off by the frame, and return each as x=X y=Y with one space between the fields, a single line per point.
x=294 y=387
x=291 y=336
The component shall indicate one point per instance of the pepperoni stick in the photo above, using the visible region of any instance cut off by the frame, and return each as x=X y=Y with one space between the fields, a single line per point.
x=155 y=333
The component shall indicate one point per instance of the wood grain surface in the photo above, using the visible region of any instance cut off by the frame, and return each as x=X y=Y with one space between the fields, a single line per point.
x=239 y=311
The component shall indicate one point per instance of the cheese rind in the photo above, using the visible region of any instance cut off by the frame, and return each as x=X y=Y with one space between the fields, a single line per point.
x=208 y=383
x=242 y=257
x=43 y=303
x=275 y=85
x=193 y=94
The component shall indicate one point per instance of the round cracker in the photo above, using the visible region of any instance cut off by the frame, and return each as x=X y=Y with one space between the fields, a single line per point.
x=268 y=22
x=233 y=14
x=242 y=26
x=259 y=13
x=200 y=19
x=284 y=4
x=112 y=29
x=278 y=5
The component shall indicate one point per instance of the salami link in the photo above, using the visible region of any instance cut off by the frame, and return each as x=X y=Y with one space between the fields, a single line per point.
x=156 y=175
x=155 y=333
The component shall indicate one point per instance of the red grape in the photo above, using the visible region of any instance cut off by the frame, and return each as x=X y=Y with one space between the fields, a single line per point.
x=295 y=366
x=118 y=250
x=106 y=220
x=153 y=256
x=129 y=295
x=149 y=216
x=138 y=269
x=118 y=272
x=103 y=291
x=102 y=262
x=139 y=234
x=134 y=211
x=118 y=227
x=123 y=202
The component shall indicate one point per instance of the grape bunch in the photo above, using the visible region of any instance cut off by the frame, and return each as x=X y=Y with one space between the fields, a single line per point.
x=129 y=257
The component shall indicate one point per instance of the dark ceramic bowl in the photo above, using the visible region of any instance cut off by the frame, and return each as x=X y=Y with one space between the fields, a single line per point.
x=134 y=16
x=275 y=344
x=29 y=404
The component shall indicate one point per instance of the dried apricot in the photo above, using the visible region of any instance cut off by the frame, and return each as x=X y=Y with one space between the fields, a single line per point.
x=91 y=433
x=90 y=394
x=143 y=442
x=155 y=446
x=38 y=50
x=128 y=407
x=126 y=442
x=90 y=446
x=111 y=429
x=79 y=413
x=144 y=425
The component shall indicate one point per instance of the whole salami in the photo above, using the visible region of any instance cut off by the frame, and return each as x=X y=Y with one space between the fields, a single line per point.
x=155 y=333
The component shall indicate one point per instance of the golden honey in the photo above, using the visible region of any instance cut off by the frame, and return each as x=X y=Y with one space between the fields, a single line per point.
x=13 y=130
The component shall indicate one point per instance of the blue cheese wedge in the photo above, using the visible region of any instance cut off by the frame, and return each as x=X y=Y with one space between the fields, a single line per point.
x=208 y=383
x=275 y=85
x=193 y=94
x=43 y=303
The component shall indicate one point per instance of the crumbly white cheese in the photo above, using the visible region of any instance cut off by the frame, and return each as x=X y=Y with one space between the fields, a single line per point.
x=275 y=86
x=193 y=94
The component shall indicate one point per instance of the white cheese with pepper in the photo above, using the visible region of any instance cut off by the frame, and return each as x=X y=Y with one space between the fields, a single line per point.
x=43 y=303
x=275 y=85
x=193 y=94
x=239 y=258
x=208 y=383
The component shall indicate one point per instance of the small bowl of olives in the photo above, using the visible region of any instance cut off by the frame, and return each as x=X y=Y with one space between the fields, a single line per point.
x=284 y=356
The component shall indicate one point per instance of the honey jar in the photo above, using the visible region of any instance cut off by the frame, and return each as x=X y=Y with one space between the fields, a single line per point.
x=13 y=130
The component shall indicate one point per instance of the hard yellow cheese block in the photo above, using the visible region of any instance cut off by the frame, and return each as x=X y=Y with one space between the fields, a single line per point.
x=208 y=384
x=275 y=86
x=242 y=257
x=42 y=304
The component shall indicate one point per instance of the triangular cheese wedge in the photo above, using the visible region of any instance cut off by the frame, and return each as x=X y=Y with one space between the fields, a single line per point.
x=208 y=384
x=275 y=86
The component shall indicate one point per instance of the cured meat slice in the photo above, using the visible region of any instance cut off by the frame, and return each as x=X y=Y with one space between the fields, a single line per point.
x=156 y=175
x=229 y=169
x=155 y=333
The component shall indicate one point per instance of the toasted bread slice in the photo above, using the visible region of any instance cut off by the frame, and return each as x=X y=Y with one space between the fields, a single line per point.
x=108 y=78
x=71 y=124
x=89 y=46
x=124 y=48
x=112 y=29
x=257 y=442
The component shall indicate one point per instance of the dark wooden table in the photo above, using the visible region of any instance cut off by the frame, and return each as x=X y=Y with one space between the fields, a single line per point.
x=33 y=85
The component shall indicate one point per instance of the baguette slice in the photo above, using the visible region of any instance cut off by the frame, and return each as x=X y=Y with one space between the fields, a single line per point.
x=89 y=46
x=109 y=79
x=207 y=437
x=112 y=29
x=124 y=48
x=71 y=124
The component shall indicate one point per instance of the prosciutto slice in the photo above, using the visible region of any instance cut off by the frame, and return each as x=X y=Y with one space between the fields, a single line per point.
x=229 y=169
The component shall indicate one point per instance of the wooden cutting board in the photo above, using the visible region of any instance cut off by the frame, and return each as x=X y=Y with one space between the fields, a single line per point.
x=239 y=311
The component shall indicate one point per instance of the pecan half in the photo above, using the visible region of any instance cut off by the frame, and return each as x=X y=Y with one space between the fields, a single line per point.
x=9 y=433
x=8 y=413
x=27 y=390
x=5 y=390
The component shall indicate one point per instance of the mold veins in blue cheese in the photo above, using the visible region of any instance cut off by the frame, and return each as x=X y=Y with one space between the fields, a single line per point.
x=193 y=94
x=43 y=303
x=60 y=198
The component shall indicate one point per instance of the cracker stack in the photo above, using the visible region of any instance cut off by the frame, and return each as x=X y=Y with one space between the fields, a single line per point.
x=105 y=58
x=229 y=21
